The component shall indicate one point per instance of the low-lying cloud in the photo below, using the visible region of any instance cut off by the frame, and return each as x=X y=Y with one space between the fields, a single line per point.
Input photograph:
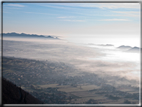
x=78 y=56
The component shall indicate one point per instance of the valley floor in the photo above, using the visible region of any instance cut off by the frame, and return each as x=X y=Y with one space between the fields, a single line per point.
x=60 y=83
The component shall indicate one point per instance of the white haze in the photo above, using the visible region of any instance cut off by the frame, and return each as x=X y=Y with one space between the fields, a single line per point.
x=98 y=60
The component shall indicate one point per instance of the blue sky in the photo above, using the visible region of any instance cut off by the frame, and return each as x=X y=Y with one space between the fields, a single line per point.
x=75 y=20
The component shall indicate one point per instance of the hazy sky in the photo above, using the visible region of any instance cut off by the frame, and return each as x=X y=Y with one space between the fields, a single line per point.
x=115 y=23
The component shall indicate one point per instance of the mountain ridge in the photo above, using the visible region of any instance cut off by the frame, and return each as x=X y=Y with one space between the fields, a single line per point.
x=13 y=34
x=129 y=49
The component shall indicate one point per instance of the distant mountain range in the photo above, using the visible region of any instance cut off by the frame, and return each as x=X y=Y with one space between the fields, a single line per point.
x=124 y=47
x=129 y=48
x=134 y=49
x=13 y=34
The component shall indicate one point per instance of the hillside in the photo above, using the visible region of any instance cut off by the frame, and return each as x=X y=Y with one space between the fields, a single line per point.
x=11 y=94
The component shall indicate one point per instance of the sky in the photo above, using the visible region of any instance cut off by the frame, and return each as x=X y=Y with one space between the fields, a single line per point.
x=113 y=23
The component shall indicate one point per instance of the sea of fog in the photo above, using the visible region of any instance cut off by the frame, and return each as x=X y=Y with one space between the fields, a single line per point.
x=103 y=60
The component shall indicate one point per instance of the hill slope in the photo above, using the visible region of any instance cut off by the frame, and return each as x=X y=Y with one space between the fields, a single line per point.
x=11 y=94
